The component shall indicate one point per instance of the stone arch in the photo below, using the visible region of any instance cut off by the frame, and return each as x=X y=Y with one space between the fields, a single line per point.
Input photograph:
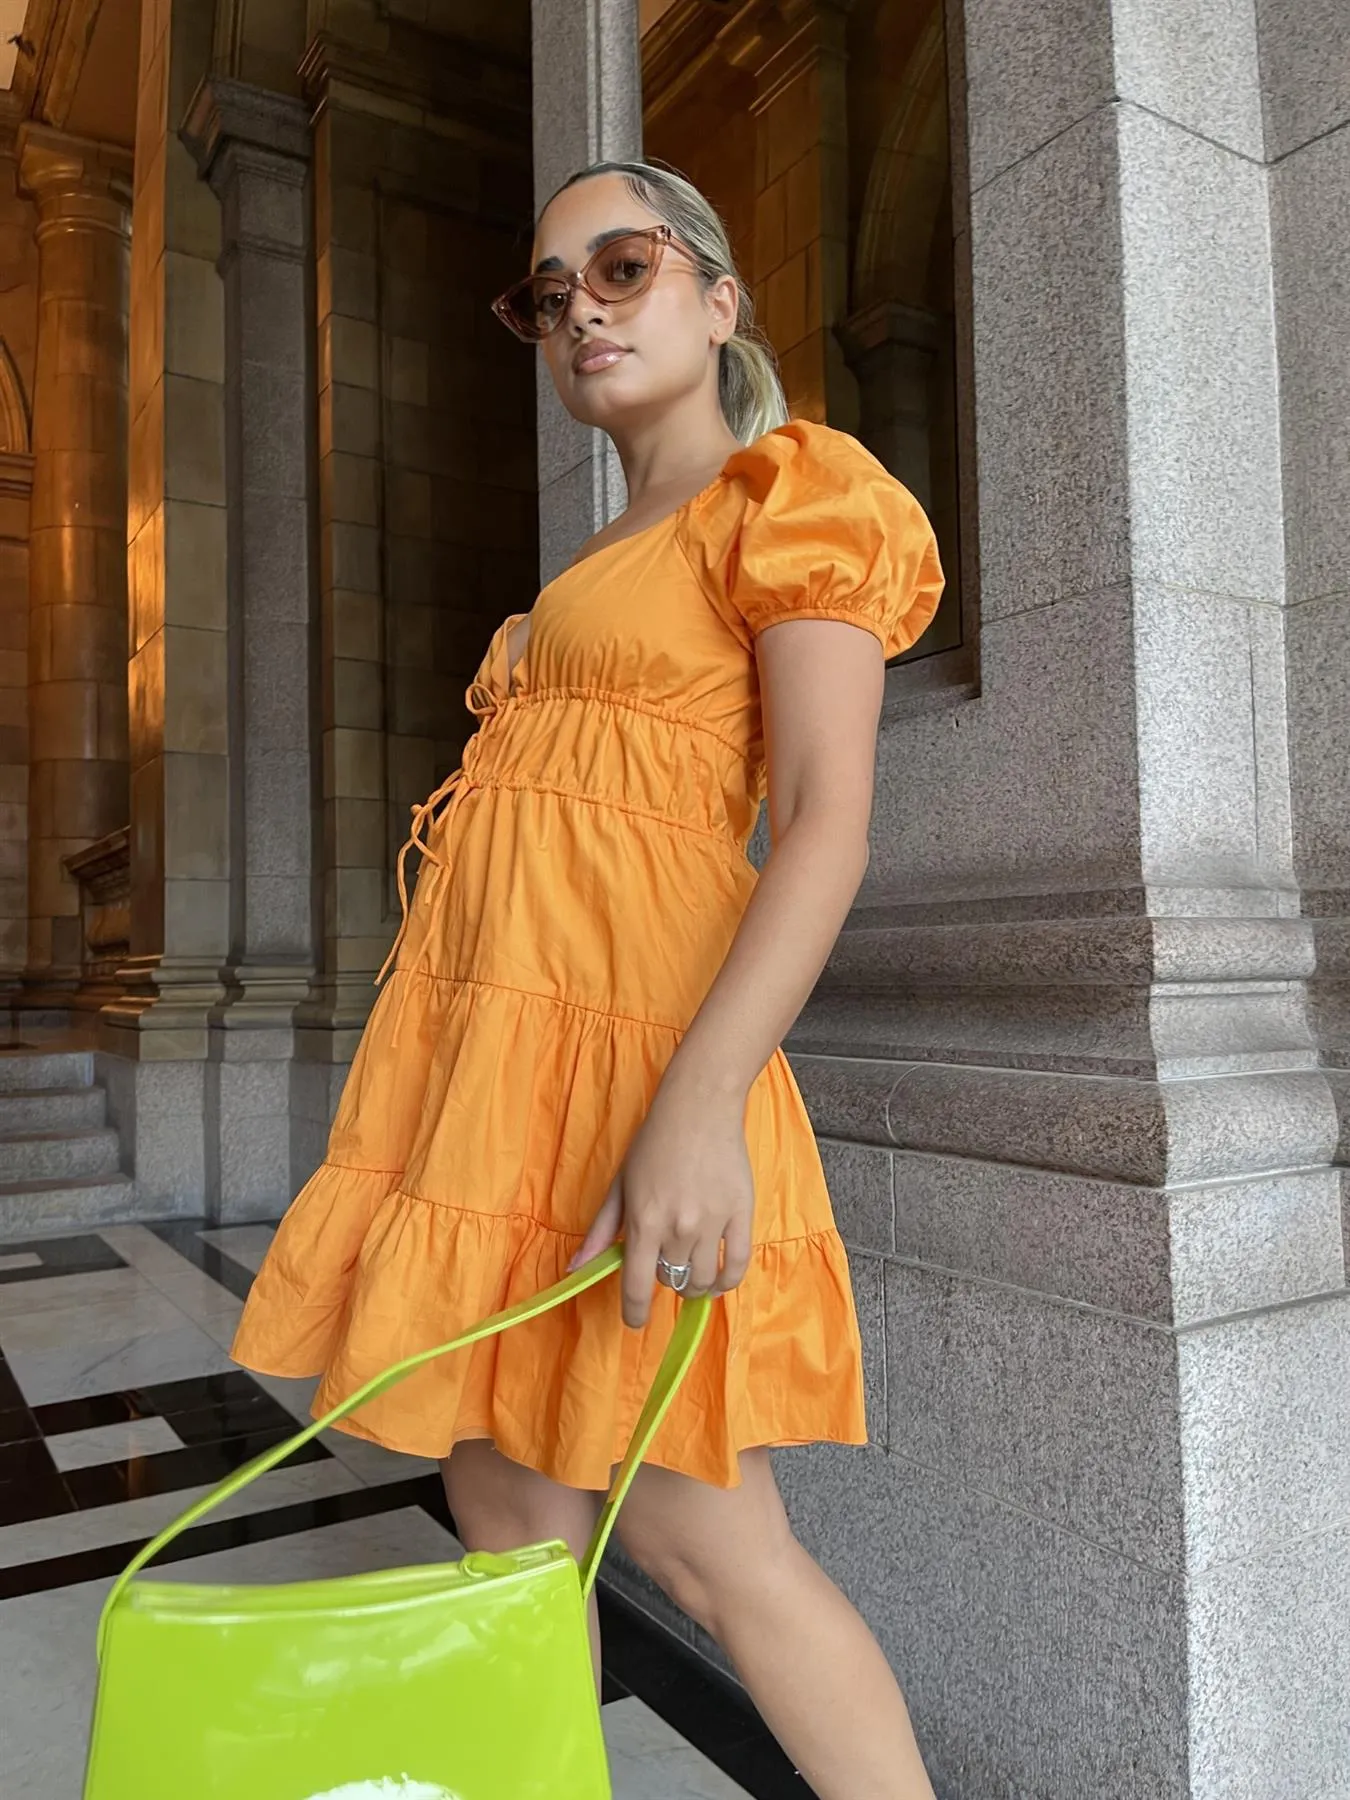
x=15 y=433
x=909 y=185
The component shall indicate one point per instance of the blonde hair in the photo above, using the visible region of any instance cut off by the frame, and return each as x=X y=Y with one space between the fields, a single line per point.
x=748 y=386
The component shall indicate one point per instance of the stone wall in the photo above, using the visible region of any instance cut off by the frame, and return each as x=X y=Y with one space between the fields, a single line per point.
x=427 y=484
x=18 y=355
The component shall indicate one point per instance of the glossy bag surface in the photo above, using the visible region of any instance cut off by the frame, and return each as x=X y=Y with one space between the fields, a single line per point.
x=417 y=1683
x=455 y=1681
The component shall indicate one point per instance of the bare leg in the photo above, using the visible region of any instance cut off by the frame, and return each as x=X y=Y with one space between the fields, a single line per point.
x=814 y=1670
x=498 y=1504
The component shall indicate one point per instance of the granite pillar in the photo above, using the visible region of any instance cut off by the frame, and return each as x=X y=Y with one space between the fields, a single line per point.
x=153 y=1038
x=254 y=148
x=1074 y=1108
x=77 y=564
x=587 y=109
x=1306 y=51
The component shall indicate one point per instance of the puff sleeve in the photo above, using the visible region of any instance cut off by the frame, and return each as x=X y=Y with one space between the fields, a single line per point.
x=807 y=524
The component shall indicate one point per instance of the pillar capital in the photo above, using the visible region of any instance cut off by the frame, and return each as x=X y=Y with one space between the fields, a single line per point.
x=225 y=115
x=77 y=182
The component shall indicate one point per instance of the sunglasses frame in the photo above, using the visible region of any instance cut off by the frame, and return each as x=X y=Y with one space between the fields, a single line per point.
x=660 y=237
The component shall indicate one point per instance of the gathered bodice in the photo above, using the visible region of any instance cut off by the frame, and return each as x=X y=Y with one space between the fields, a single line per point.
x=637 y=693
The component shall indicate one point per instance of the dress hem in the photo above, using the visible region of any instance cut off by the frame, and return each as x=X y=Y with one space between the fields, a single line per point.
x=542 y=1465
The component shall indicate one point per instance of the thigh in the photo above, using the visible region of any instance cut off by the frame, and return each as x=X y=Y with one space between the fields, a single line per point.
x=498 y=1504
x=703 y=1543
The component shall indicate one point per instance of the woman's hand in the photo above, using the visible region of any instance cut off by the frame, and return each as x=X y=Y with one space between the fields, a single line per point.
x=685 y=1191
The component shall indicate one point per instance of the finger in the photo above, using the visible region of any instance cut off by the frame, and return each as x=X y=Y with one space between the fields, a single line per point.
x=678 y=1253
x=705 y=1258
x=604 y=1228
x=735 y=1257
x=639 y=1278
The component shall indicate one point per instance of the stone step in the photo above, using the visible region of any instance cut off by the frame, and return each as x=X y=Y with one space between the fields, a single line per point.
x=36 y=1071
x=35 y=1209
x=53 y=1110
x=63 y=1156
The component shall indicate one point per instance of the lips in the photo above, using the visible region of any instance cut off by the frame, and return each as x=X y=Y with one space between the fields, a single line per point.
x=598 y=354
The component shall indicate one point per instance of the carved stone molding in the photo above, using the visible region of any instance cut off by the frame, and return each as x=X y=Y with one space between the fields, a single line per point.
x=15 y=425
x=248 y=142
x=224 y=110
x=77 y=182
x=16 y=475
x=103 y=873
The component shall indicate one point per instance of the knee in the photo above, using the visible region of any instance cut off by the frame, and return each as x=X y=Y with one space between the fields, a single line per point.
x=711 y=1582
x=497 y=1506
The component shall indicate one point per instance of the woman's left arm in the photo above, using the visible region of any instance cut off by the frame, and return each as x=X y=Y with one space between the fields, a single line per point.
x=686 y=1190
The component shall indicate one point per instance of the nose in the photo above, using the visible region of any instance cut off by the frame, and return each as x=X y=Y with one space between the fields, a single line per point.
x=586 y=310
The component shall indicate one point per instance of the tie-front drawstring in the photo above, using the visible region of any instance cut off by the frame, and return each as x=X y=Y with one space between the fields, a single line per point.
x=482 y=702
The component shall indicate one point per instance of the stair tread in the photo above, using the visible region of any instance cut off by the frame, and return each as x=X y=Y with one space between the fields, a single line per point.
x=76 y=1133
x=63 y=1183
x=57 y=1093
x=45 y=1074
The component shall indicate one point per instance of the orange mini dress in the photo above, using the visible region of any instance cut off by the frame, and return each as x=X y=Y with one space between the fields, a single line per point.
x=583 y=876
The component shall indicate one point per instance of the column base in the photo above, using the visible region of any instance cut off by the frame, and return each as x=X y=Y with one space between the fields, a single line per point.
x=262 y=996
x=164 y=1010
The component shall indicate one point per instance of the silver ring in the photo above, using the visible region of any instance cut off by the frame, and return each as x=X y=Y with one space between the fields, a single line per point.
x=676 y=1274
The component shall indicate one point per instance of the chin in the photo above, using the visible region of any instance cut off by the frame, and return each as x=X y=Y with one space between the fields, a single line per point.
x=604 y=402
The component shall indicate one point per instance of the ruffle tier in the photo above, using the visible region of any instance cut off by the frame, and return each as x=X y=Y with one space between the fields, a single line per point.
x=463 y=1171
x=562 y=1393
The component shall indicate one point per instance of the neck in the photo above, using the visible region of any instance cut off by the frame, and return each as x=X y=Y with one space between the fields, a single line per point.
x=676 y=453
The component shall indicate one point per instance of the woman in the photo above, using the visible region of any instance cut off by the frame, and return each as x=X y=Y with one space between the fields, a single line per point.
x=580 y=1037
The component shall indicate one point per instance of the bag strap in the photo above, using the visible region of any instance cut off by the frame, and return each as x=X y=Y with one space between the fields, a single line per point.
x=684 y=1342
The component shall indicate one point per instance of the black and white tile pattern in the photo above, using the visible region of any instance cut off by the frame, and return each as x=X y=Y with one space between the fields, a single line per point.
x=119 y=1405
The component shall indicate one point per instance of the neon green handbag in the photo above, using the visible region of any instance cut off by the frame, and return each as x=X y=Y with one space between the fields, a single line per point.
x=458 y=1681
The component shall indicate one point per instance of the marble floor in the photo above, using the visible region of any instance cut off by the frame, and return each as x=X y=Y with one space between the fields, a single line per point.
x=119 y=1405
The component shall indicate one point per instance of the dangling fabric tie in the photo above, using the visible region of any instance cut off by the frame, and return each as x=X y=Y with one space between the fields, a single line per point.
x=483 y=703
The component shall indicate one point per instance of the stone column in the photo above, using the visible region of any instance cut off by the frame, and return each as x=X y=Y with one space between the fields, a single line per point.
x=155 y=1038
x=587 y=108
x=16 y=483
x=1308 y=141
x=78 y=580
x=1071 y=1106
x=254 y=148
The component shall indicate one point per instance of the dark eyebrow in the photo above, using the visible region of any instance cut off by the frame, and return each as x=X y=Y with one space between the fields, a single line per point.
x=551 y=265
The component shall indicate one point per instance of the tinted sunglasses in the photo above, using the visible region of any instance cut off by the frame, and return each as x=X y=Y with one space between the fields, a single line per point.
x=620 y=270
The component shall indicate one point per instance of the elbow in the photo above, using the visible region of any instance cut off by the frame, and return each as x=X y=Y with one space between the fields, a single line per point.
x=848 y=852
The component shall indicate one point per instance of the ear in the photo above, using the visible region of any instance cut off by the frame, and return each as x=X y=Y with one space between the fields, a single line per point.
x=723 y=302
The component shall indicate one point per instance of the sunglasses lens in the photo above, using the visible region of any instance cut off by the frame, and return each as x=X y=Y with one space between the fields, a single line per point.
x=623 y=268
x=533 y=308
